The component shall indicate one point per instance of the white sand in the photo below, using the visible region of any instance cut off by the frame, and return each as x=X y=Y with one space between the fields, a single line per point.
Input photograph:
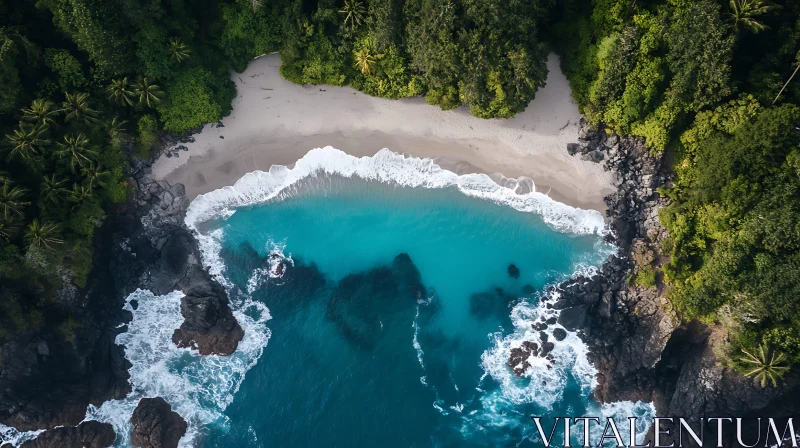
x=277 y=122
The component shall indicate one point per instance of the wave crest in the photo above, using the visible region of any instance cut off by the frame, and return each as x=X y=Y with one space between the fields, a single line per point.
x=390 y=167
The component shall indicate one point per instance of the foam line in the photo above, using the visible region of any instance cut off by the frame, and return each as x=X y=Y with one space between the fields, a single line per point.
x=390 y=167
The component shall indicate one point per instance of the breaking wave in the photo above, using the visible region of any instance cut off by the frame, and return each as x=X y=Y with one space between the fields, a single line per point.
x=390 y=167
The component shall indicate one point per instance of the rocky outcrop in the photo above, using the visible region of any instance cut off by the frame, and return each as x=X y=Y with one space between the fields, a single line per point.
x=519 y=357
x=642 y=351
x=89 y=434
x=156 y=425
x=209 y=324
x=49 y=376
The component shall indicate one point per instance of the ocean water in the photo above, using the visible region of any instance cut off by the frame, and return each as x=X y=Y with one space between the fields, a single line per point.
x=379 y=308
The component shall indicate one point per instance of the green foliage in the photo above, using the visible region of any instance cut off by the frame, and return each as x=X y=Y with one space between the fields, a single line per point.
x=746 y=14
x=643 y=70
x=147 y=136
x=66 y=67
x=247 y=33
x=646 y=276
x=764 y=365
x=152 y=49
x=193 y=98
x=92 y=26
x=734 y=237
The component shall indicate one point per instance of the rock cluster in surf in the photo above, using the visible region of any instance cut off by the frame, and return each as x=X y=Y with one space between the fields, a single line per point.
x=209 y=325
x=155 y=425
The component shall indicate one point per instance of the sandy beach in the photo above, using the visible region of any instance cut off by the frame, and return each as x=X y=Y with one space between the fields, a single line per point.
x=275 y=122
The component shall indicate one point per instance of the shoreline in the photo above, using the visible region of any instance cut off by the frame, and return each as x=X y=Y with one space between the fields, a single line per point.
x=279 y=122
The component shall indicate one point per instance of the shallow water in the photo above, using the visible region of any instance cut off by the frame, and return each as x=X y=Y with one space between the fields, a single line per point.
x=379 y=308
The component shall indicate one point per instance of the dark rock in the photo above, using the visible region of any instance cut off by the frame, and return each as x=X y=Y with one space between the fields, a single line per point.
x=573 y=318
x=559 y=334
x=209 y=325
x=518 y=357
x=513 y=271
x=89 y=434
x=539 y=326
x=543 y=336
x=551 y=321
x=156 y=425
x=573 y=148
x=635 y=342
x=356 y=313
x=596 y=156
x=547 y=347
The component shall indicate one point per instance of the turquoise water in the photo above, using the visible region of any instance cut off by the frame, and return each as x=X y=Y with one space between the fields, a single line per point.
x=379 y=327
x=380 y=309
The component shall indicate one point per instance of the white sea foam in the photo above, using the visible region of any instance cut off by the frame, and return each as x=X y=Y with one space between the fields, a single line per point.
x=386 y=166
x=620 y=412
x=542 y=385
x=16 y=437
x=198 y=387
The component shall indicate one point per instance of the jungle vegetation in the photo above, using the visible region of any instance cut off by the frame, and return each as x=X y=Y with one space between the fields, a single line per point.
x=87 y=84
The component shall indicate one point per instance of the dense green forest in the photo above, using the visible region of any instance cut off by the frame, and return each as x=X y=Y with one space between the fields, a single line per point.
x=87 y=84
x=710 y=82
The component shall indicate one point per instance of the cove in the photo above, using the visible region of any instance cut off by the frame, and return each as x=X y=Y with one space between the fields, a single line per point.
x=385 y=309
x=382 y=300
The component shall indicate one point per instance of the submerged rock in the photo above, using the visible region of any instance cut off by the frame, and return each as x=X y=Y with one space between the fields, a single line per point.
x=156 y=425
x=513 y=271
x=89 y=434
x=353 y=307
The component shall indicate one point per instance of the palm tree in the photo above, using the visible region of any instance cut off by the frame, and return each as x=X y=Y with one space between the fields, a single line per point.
x=43 y=235
x=77 y=108
x=364 y=60
x=354 y=12
x=76 y=148
x=148 y=93
x=95 y=175
x=767 y=365
x=115 y=127
x=53 y=189
x=40 y=113
x=8 y=227
x=744 y=13
x=11 y=203
x=80 y=193
x=797 y=61
x=179 y=50
x=25 y=142
x=121 y=92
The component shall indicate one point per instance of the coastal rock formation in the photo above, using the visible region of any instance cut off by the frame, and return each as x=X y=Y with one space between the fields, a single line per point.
x=89 y=434
x=519 y=357
x=49 y=376
x=209 y=325
x=642 y=351
x=156 y=425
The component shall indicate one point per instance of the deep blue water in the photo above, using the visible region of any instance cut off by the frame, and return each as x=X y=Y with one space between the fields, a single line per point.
x=383 y=327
